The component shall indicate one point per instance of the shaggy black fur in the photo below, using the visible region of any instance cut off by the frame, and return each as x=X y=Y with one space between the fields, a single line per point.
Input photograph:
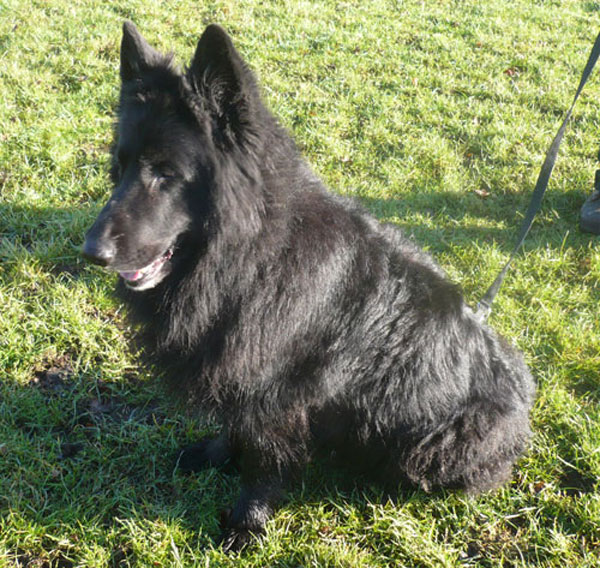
x=286 y=311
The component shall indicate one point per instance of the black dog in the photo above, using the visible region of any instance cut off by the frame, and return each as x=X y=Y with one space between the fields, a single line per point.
x=285 y=311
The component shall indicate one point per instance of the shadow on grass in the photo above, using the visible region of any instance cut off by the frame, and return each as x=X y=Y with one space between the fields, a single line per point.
x=445 y=213
x=88 y=454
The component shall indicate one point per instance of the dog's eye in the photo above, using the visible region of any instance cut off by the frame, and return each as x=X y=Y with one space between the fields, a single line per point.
x=162 y=177
x=161 y=180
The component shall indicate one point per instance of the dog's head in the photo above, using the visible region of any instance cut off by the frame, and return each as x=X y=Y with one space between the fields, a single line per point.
x=177 y=135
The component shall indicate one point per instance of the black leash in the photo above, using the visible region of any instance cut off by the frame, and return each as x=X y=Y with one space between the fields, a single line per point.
x=484 y=307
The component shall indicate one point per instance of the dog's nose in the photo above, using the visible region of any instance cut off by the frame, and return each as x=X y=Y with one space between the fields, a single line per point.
x=98 y=252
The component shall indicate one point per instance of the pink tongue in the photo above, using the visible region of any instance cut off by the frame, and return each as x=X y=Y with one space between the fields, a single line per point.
x=131 y=276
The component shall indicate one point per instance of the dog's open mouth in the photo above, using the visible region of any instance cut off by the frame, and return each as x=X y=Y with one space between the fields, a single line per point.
x=147 y=276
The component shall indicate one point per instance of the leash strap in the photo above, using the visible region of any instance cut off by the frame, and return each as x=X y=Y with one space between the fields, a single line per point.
x=484 y=307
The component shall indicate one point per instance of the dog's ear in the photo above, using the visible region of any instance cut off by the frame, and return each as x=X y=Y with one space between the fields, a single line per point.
x=219 y=74
x=136 y=54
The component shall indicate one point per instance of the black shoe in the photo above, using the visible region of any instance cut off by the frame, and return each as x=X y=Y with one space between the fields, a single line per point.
x=589 y=220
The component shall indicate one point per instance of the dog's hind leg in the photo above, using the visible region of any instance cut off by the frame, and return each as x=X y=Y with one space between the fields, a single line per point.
x=474 y=451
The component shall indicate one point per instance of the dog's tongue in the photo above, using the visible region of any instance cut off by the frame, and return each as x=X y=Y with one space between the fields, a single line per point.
x=134 y=275
x=131 y=276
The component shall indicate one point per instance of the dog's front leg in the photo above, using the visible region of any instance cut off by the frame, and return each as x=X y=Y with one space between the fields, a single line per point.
x=262 y=488
x=250 y=514
x=271 y=448
x=208 y=452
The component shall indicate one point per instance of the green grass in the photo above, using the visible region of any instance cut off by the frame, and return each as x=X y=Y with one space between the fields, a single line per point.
x=437 y=116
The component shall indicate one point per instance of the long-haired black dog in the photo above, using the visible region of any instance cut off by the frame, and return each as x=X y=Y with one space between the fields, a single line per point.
x=285 y=311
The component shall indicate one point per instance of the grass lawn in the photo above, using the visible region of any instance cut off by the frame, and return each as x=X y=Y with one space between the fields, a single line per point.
x=437 y=116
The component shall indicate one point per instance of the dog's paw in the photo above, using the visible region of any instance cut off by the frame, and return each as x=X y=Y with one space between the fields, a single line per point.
x=208 y=452
x=236 y=539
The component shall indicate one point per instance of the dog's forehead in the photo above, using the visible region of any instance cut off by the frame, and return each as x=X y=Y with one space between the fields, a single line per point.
x=146 y=128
